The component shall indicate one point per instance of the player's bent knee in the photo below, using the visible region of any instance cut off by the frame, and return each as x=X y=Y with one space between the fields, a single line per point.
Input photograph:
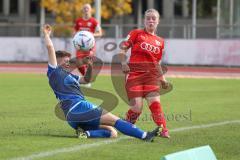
x=114 y=134
x=136 y=104
x=137 y=110
x=113 y=131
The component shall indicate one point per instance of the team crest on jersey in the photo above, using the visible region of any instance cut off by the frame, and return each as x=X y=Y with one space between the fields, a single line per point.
x=157 y=43
x=89 y=24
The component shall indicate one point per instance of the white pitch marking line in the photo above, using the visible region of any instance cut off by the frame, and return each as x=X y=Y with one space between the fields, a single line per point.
x=205 y=126
x=69 y=149
x=91 y=145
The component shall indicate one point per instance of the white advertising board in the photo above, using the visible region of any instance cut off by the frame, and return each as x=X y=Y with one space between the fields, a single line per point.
x=183 y=52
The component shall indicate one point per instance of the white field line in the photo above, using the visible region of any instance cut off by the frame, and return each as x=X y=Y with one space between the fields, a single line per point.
x=204 y=126
x=203 y=76
x=105 y=142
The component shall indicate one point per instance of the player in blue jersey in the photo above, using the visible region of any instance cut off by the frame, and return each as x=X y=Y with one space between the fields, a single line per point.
x=79 y=113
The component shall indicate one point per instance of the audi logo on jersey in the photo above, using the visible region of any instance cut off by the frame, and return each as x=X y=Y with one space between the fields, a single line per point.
x=149 y=47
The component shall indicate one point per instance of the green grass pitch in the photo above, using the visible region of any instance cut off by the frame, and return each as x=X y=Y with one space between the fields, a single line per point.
x=28 y=125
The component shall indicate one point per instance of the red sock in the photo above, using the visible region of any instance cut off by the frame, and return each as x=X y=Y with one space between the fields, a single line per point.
x=82 y=69
x=132 y=116
x=157 y=114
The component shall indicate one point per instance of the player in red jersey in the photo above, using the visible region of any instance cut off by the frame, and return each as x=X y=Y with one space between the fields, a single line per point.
x=143 y=72
x=87 y=23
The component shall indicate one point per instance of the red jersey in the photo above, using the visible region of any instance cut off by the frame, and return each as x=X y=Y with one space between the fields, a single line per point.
x=145 y=47
x=86 y=25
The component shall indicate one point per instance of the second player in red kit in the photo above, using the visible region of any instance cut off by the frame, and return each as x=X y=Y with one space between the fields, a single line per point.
x=144 y=60
x=143 y=72
x=87 y=23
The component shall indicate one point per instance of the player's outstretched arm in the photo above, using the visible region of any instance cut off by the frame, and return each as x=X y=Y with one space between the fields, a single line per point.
x=47 y=29
x=89 y=73
x=123 y=59
x=124 y=46
x=76 y=63
x=162 y=78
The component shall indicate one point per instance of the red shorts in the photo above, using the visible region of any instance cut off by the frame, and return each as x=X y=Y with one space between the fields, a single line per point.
x=82 y=54
x=139 y=84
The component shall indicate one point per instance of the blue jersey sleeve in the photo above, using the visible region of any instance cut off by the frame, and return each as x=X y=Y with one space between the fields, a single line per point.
x=76 y=77
x=51 y=68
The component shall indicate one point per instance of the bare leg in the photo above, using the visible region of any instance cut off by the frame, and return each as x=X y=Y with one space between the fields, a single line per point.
x=108 y=119
x=113 y=131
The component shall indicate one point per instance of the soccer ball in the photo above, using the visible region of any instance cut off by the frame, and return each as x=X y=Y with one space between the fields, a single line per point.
x=83 y=40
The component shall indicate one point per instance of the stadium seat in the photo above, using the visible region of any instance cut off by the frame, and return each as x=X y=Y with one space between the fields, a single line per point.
x=199 y=153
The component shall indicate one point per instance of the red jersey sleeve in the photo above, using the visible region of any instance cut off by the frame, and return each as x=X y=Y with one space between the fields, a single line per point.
x=95 y=22
x=76 y=27
x=130 y=39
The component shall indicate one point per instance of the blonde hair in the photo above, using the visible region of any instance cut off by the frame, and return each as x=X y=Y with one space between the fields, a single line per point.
x=87 y=5
x=151 y=10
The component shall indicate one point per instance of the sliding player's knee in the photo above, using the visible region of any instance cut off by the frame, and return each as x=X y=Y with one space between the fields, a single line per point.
x=108 y=119
x=114 y=133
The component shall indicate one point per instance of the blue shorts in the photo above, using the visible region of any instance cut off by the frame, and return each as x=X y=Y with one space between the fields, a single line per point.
x=83 y=114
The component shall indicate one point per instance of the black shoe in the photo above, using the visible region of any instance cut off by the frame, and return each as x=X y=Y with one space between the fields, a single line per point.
x=150 y=135
x=81 y=134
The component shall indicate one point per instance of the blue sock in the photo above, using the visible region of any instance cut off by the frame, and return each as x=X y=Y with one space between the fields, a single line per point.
x=100 y=133
x=129 y=129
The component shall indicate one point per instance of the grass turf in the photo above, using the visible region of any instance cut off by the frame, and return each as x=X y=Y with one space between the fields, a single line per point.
x=29 y=125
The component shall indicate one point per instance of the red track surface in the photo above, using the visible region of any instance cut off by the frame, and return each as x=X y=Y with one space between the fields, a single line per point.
x=173 y=71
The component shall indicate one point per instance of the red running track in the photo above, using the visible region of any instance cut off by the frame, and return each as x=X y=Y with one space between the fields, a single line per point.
x=173 y=71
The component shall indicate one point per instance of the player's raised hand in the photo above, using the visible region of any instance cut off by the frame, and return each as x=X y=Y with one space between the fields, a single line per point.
x=87 y=60
x=165 y=84
x=47 y=29
x=125 y=68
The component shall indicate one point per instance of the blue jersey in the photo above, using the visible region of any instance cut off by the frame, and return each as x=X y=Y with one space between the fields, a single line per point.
x=77 y=111
x=65 y=85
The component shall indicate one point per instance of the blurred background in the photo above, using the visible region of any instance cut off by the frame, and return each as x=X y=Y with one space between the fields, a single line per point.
x=197 y=32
